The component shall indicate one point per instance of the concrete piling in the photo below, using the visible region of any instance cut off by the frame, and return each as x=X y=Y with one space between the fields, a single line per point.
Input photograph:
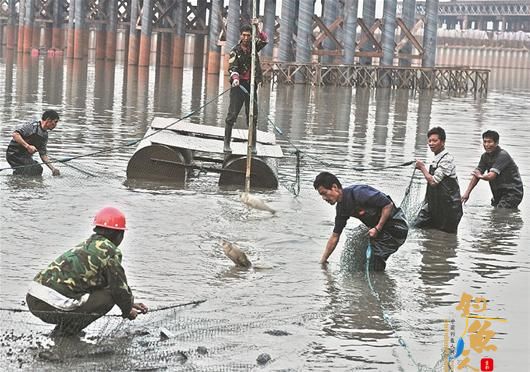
x=214 y=50
x=111 y=28
x=350 y=30
x=29 y=19
x=369 y=19
x=134 y=37
x=179 y=35
x=409 y=17
x=70 y=34
x=429 y=33
x=287 y=21
x=329 y=15
x=268 y=26
x=80 y=34
x=145 y=34
x=295 y=61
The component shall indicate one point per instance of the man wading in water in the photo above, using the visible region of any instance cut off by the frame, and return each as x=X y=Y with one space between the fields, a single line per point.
x=387 y=224
x=27 y=140
x=442 y=207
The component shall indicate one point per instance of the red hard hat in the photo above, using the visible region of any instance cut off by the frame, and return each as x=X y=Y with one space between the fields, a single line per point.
x=111 y=218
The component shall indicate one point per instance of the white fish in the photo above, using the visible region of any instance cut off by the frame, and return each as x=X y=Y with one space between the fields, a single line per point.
x=255 y=202
x=234 y=253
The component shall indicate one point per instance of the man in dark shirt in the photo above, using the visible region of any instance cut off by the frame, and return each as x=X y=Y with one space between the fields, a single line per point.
x=498 y=168
x=387 y=225
x=239 y=68
x=27 y=140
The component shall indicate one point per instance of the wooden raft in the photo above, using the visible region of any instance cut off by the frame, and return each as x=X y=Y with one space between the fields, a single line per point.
x=171 y=148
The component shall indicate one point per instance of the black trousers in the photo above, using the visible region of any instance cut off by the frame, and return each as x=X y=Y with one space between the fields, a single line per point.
x=238 y=98
x=72 y=322
x=23 y=164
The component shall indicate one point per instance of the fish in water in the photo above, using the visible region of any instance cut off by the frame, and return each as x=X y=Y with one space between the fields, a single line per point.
x=234 y=253
x=255 y=202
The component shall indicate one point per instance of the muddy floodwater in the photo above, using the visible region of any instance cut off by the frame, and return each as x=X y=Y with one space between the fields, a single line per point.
x=303 y=315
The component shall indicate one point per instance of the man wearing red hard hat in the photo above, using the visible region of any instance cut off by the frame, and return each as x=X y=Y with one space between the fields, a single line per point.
x=85 y=282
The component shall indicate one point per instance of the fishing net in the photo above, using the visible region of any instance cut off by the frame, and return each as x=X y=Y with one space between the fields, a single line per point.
x=166 y=339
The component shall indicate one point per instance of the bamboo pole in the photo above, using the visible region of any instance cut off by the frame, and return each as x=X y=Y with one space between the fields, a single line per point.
x=252 y=94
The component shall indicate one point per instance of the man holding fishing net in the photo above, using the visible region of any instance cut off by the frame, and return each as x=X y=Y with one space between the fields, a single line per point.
x=28 y=139
x=387 y=225
x=85 y=282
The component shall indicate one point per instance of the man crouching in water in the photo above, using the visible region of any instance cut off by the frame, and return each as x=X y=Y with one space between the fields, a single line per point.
x=387 y=225
x=85 y=282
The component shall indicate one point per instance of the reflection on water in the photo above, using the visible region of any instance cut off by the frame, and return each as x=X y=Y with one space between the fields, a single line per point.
x=497 y=243
x=171 y=252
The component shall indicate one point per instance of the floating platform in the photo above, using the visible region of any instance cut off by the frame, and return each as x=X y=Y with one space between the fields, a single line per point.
x=172 y=148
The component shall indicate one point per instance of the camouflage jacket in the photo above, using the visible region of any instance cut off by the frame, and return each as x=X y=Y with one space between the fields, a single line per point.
x=240 y=60
x=92 y=265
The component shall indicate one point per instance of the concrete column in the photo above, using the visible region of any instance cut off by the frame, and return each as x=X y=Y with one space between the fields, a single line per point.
x=214 y=50
x=112 y=28
x=179 y=34
x=268 y=27
x=80 y=29
x=11 y=25
x=409 y=18
x=368 y=18
x=29 y=20
x=465 y=23
x=198 y=49
x=146 y=33
x=21 y=13
x=304 y=37
x=232 y=30
x=429 y=33
x=232 y=25
x=164 y=49
x=389 y=32
x=70 y=45
x=329 y=15
x=101 y=40
x=288 y=17
x=57 y=27
x=350 y=30
x=134 y=37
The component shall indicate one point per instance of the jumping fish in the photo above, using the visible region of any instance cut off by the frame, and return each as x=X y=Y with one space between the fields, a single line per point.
x=255 y=202
x=234 y=253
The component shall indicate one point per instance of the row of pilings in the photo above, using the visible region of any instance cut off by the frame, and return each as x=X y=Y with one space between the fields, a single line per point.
x=306 y=41
x=295 y=36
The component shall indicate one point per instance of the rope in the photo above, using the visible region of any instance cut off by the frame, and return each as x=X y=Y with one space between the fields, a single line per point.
x=130 y=143
x=195 y=303
x=386 y=318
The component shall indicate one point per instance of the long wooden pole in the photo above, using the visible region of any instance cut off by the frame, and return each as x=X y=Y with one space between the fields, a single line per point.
x=252 y=94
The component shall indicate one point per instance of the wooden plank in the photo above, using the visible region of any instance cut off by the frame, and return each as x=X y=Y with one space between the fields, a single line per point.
x=211 y=145
x=209 y=131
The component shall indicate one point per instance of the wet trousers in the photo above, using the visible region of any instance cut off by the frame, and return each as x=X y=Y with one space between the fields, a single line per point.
x=23 y=164
x=72 y=322
x=238 y=98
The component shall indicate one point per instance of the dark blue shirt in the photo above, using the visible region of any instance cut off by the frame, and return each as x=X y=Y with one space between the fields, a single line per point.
x=362 y=202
